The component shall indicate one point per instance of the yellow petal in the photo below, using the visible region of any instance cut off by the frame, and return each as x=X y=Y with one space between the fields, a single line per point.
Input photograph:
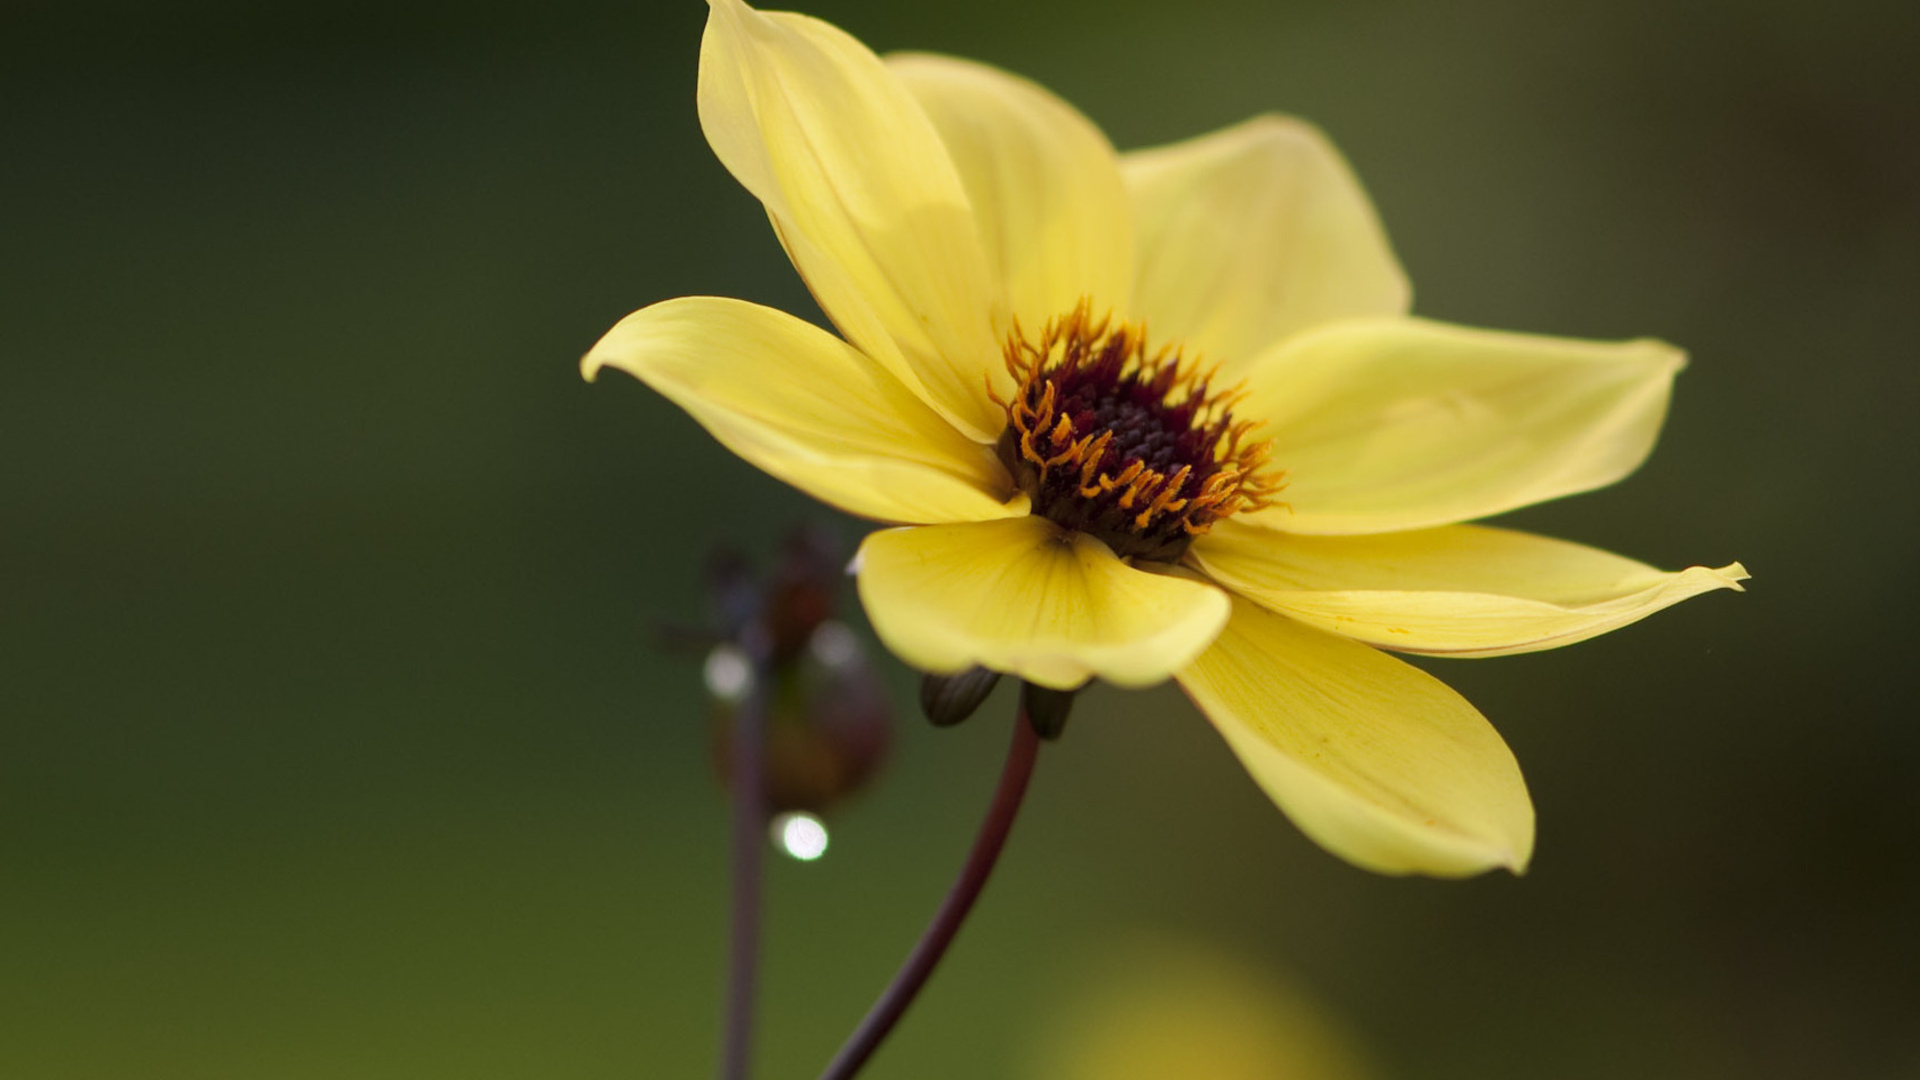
x=1044 y=183
x=1458 y=590
x=1391 y=424
x=1028 y=598
x=1252 y=234
x=863 y=196
x=1377 y=761
x=806 y=407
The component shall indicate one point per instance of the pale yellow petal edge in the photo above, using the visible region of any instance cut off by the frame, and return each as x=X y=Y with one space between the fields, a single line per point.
x=809 y=409
x=1374 y=759
x=1456 y=590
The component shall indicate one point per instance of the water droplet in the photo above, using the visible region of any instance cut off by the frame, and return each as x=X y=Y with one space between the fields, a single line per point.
x=834 y=645
x=802 y=836
x=728 y=673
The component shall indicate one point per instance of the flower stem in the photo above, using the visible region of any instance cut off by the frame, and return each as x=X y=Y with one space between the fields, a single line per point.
x=893 y=1002
x=748 y=769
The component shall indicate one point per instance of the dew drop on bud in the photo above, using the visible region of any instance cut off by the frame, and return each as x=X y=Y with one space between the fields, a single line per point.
x=834 y=645
x=800 y=835
x=728 y=673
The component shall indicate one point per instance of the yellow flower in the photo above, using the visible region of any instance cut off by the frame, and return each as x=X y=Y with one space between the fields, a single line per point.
x=1254 y=500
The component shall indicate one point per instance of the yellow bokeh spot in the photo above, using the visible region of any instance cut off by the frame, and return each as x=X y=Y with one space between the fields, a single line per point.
x=1151 y=1008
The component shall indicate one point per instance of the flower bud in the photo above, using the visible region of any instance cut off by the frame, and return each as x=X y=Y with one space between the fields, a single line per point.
x=829 y=723
x=949 y=699
x=1046 y=709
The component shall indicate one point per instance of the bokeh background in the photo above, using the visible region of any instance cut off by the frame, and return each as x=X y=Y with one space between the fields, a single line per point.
x=332 y=744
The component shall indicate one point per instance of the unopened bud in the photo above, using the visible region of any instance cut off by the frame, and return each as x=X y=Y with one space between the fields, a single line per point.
x=1046 y=709
x=949 y=699
x=828 y=722
x=829 y=725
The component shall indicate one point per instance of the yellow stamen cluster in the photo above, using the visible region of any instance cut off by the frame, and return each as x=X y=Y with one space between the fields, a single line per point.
x=1129 y=445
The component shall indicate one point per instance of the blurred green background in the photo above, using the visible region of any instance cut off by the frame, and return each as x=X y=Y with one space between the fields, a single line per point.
x=331 y=744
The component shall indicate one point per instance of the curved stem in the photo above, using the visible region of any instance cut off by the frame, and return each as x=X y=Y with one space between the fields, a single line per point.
x=893 y=1002
x=748 y=769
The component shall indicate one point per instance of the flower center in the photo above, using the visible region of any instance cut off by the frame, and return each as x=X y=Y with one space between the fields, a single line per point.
x=1125 y=445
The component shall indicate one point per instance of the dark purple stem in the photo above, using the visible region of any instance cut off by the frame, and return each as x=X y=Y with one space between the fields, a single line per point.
x=748 y=770
x=893 y=1002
